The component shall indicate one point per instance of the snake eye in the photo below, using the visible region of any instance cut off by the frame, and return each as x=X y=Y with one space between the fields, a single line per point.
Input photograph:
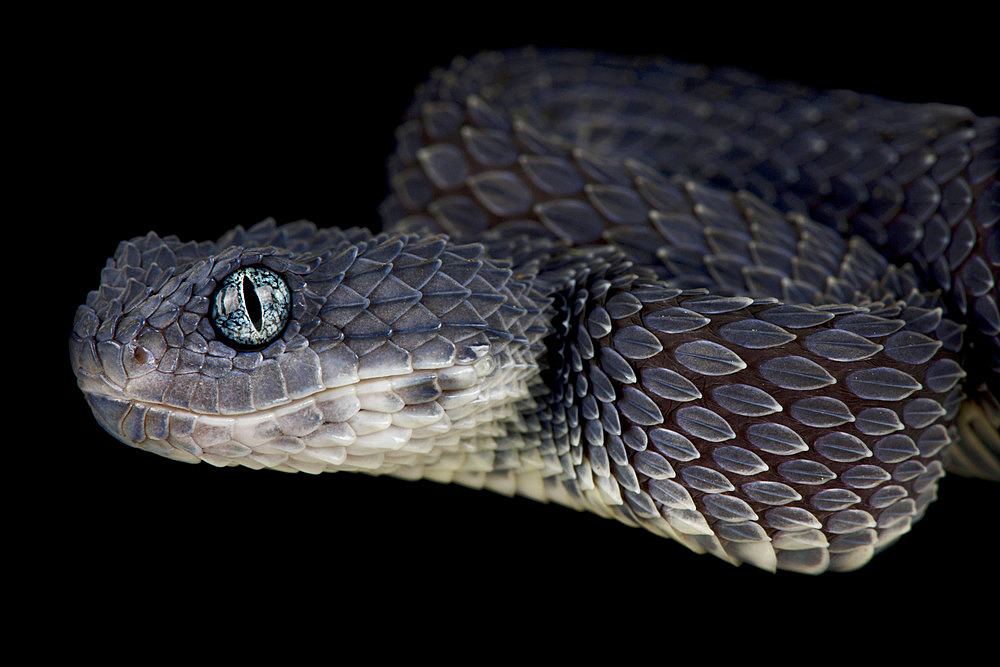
x=250 y=307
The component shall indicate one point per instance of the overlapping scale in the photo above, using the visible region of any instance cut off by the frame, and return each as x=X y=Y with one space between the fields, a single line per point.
x=730 y=373
x=790 y=443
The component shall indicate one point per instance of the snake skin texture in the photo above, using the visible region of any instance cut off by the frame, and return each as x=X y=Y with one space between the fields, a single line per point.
x=754 y=318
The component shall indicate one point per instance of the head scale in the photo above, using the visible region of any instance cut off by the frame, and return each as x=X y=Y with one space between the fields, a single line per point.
x=296 y=348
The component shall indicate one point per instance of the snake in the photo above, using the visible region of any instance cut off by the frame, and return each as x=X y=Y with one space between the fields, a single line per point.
x=753 y=317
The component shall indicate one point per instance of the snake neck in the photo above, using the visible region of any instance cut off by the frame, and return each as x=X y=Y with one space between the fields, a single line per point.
x=528 y=441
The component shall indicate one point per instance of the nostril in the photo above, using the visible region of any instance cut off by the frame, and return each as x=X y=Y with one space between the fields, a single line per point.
x=141 y=356
x=136 y=361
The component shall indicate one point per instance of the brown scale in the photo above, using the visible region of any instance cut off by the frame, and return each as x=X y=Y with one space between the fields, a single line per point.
x=751 y=376
x=909 y=163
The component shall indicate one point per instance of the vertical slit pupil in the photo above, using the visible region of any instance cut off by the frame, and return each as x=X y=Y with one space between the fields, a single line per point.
x=252 y=304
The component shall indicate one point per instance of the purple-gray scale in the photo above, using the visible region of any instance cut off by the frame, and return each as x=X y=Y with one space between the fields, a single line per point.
x=778 y=366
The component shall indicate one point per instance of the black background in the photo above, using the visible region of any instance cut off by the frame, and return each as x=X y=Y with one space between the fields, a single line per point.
x=188 y=125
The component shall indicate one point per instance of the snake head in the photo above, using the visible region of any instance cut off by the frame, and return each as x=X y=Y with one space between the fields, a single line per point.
x=301 y=349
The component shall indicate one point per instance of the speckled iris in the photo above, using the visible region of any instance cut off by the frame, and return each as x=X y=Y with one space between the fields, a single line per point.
x=250 y=308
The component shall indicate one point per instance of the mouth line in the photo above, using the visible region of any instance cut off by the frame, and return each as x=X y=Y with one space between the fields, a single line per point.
x=349 y=415
x=113 y=406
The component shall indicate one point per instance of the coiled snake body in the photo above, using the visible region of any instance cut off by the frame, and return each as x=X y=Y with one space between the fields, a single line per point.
x=755 y=318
